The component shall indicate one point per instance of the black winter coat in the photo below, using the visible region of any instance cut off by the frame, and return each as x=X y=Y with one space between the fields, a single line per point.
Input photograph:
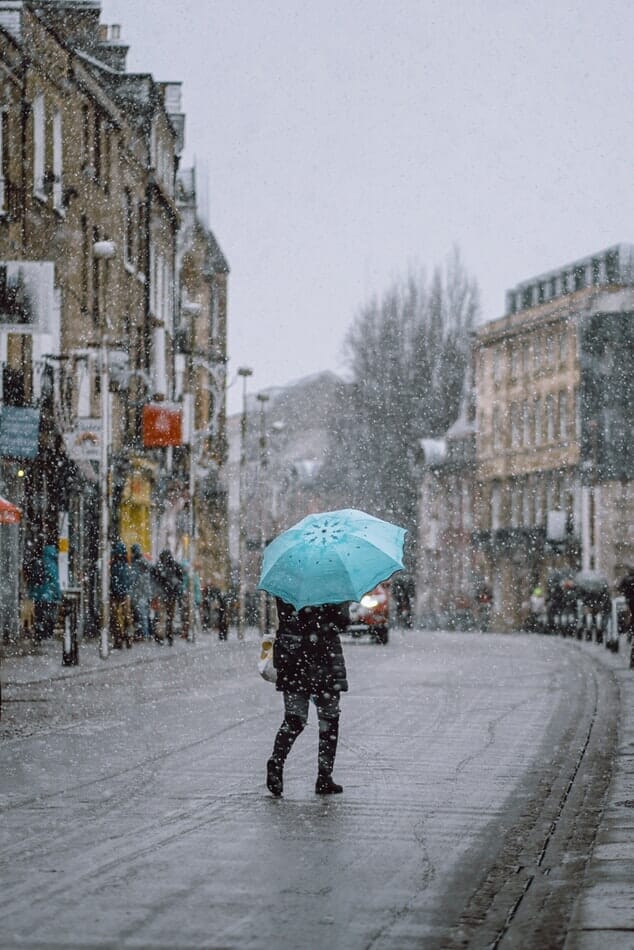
x=307 y=652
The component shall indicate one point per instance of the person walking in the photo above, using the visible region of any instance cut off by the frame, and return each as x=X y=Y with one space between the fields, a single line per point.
x=310 y=665
x=44 y=590
x=140 y=593
x=168 y=576
x=222 y=615
x=120 y=586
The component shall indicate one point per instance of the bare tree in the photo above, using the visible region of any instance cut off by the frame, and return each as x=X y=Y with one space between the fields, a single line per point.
x=407 y=353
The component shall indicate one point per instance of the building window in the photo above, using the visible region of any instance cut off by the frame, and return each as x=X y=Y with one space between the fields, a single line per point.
x=96 y=147
x=538 y=495
x=550 y=418
x=496 y=507
x=85 y=136
x=526 y=355
x=515 y=362
x=526 y=424
x=95 y=281
x=537 y=421
x=563 y=347
x=580 y=276
x=612 y=267
x=563 y=415
x=57 y=160
x=497 y=428
x=497 y=364
x=515 y=425
x=39 y=146
x=537 y=354
x=4 y=159
x=106 y=160
x=128 y=225
x=549 y=351
x=141 y=238
x=515 y=505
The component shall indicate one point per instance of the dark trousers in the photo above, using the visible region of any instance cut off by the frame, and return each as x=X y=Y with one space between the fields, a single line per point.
x=44 y=619
x=295 y=718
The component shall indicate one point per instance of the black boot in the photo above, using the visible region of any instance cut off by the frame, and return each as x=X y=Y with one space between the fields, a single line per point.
x=325 y=786
x=328 y=737
x=286 y=735
x=274 y=774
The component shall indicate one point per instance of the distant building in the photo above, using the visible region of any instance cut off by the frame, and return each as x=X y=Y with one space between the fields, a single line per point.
x=554 y=390
x=287 y=438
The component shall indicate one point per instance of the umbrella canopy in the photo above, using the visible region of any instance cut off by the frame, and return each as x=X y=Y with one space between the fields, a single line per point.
x=9 y=514
x=331 y=557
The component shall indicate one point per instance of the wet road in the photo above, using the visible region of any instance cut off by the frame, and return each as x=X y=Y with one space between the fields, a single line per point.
x=133 y=811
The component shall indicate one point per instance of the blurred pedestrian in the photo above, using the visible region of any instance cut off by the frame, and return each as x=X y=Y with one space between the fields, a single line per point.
x=309 y=661
x=168 y=577
x=190 y=577
x=140 y=593
x=42 y=574
x=120 y=587
x=222 y=613
x=626 y=588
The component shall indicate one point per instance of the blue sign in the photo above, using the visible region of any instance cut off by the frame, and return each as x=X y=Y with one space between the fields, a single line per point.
x=19 y=432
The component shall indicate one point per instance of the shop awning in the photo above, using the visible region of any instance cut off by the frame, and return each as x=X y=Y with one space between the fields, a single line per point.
x=9 y=514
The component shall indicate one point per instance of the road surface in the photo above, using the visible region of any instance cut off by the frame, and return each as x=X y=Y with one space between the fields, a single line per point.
x=133 y=810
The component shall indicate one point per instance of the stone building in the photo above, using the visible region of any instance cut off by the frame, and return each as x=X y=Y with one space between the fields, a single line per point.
x=89 y=155
x=201 y=357
x=554 y=389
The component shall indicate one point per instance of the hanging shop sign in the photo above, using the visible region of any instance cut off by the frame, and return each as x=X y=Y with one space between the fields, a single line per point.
x=19 y=432
x=162 y=425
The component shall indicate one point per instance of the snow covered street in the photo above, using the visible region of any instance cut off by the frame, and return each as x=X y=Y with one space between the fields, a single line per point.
x=134 y=810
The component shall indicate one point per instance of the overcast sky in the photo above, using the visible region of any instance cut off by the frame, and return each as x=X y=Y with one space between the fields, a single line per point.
x=347 y=141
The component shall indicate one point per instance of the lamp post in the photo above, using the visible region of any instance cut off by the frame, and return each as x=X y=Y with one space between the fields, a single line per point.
x=263 y=399
x=104 y=251
x=244 y=372
x=192 y=310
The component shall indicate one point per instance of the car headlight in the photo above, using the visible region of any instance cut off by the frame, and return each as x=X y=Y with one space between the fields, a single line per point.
x=369 y=602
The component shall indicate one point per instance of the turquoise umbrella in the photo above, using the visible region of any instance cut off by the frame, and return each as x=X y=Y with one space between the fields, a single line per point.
x=331 y=557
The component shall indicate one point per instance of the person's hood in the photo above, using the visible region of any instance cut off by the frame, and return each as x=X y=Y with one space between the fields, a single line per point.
x=119 y=549
x=136 y=552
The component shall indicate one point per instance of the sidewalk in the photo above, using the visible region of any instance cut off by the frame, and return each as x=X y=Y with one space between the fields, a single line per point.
x=24 y=662
x=603 y=918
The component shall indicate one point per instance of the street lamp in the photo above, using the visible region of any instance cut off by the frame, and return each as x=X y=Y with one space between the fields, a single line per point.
x=192 y=310
x=262 y=399
x=104 y=251
x=244 y=372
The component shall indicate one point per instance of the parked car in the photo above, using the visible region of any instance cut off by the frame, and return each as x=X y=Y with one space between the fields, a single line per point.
x=370 y=616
